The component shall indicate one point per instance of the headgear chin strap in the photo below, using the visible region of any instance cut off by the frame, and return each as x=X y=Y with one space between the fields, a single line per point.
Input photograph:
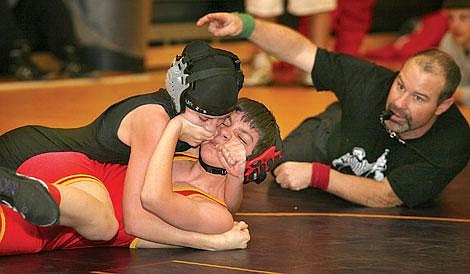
x=209 y=168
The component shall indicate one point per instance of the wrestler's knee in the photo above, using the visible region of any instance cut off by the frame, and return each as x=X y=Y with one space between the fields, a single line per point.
x=106 y=224
x=107 y=229
x=87 y=207
x=101 y=228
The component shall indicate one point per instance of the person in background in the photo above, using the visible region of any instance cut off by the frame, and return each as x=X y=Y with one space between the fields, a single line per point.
x=34 y=25
x=351 y=22
x=316 y=14
x=426 y=33
x=456 y=43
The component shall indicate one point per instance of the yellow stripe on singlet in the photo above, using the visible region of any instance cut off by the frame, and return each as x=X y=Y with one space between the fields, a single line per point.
x=3 y=227
x=68 y=180
x=199 y=193
x=134 y=243
x=179 y=156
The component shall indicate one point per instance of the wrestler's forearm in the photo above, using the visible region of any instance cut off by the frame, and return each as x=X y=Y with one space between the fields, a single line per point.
x=233 y=193
x=364 y=191
x=157 y=193
x=144 y=224
x=149 y=227
x=141 y=243
x=147 y=124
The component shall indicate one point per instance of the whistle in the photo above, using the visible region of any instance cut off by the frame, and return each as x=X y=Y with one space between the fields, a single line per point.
x=386 y=114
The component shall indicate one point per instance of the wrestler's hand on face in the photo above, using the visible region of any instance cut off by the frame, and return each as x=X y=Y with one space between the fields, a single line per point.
x=222 y=24
x=236 y=238
x=294 y=175
x=191 y=133
x=232 y=155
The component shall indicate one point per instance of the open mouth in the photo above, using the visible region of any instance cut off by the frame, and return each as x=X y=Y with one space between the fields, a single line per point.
x=397 y=117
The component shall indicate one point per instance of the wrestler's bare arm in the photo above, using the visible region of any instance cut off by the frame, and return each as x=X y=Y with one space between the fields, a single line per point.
x=232 y=155
x=177 y=210
x=138 y=221
x=140 y=129
x=236 y=238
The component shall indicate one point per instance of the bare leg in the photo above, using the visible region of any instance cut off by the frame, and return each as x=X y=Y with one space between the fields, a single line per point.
x=320 y=28
x=86 y=207
x=261 y=65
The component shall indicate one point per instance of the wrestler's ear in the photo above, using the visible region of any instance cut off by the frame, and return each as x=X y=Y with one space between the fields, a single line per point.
x=444 y=106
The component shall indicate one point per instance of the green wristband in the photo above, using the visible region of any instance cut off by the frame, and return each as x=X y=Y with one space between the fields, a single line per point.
x=248 y=24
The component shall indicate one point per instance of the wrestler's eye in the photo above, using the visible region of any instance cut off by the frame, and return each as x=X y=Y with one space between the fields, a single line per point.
x=401 y=87
x=419 y=99
x=243 y=139
x=227 y=121
x=244 y=136
x=203 y=118
x=220 y=121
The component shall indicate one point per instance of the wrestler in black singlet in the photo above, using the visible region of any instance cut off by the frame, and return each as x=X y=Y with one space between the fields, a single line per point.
x=98 y=140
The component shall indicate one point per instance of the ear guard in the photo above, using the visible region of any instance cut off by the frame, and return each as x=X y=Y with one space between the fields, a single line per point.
x=257 y=168
x=175 y=81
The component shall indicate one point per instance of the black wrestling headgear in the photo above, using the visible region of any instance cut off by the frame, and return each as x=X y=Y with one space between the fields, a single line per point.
x=205 y=79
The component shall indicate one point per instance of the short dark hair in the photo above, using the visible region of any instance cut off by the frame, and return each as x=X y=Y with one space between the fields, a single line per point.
x=438 y=62
x=262 y=119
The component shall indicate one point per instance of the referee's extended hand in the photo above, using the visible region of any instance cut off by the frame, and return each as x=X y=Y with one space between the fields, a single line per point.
x=222 y=24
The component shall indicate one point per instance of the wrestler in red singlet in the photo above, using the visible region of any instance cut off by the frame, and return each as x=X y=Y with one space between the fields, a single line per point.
x=17 y=236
